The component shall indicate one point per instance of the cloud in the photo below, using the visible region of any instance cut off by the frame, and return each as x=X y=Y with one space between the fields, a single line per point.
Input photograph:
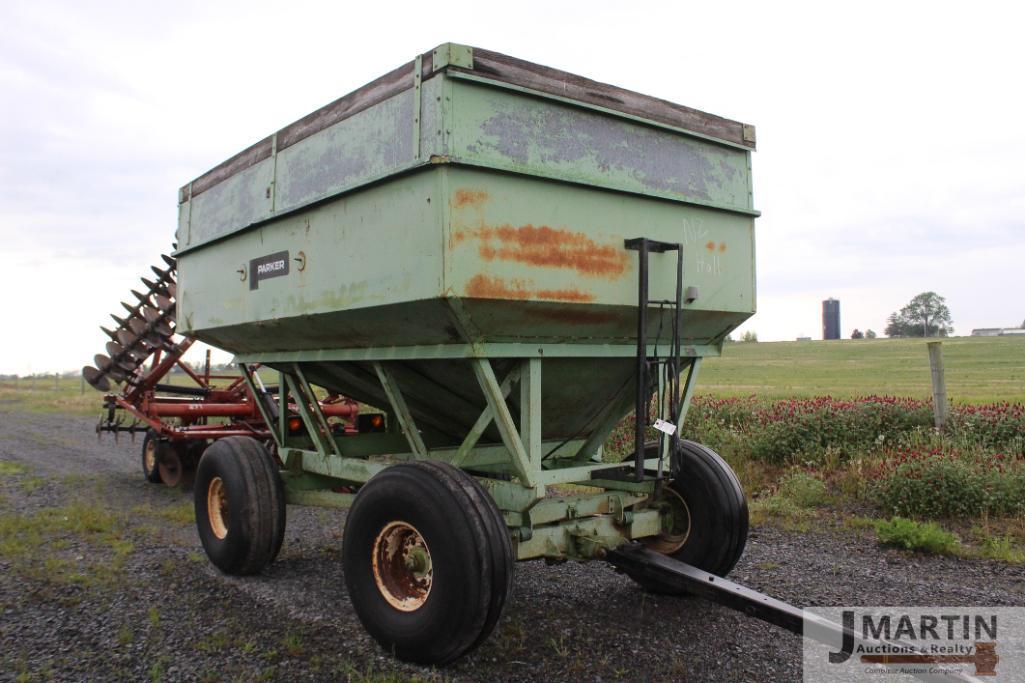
x=889 y=157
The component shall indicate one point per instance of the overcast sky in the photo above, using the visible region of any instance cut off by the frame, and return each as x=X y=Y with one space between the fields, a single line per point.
x=891 y=136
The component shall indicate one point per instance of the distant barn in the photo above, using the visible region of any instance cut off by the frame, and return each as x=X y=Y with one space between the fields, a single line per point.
x=998 y=332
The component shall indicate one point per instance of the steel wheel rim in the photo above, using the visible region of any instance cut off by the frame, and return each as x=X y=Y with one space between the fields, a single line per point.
x=170 y=467
x=217 y=507
x=149 y=455
x=402 y=566
x=668 y=542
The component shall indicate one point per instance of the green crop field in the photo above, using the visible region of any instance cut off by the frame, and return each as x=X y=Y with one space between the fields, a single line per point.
x=978 y=369
x=71 y=395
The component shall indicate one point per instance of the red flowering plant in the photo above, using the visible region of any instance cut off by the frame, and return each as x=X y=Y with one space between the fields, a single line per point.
x=881 y=449
x=804 y=430
x=994 y=425
x=948 y=482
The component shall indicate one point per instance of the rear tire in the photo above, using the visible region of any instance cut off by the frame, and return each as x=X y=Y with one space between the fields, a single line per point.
x=428 y=561
x=710 y=529
x=240 y=505
x=151 y=457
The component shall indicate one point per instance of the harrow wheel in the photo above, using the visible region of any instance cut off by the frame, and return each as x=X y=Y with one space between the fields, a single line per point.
x=150 y=457
x=427 y=560
x=708 y=513
x=240 y=505
x=170 y=467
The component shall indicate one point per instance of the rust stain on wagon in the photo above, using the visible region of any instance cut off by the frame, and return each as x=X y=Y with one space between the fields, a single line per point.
x=486 y=287
x=464 y=197
x=547 y=247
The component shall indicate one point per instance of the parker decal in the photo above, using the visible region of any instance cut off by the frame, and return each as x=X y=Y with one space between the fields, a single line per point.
x=266 y=267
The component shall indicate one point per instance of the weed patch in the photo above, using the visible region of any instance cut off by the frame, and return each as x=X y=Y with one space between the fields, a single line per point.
x=8 y=467
x=804 y=490
x=925 y=537
x=47 y=544
x=293 y=644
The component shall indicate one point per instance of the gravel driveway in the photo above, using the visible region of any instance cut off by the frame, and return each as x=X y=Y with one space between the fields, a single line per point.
x=138 y=601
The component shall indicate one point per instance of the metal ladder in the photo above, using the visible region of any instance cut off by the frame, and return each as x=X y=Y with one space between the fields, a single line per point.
x=671 y=362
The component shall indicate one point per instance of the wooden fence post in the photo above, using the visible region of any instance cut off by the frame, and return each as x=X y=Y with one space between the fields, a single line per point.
x=939 y=385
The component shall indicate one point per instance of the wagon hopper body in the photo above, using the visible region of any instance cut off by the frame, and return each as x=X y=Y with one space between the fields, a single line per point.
x=507 y=259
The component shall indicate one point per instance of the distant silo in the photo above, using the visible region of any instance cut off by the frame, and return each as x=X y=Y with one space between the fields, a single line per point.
x=831 y=319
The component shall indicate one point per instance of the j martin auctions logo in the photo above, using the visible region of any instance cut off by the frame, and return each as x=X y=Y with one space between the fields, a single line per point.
x=914 y=643
x=929 y=639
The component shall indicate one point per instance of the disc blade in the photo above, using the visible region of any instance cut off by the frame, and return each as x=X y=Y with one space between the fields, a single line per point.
x=156 y=321
x=108 y=368
x=120 y=358
x=109 y=333
x=143 y=298
x=120 y=321
x=146 y=332
x=171 y=262
x=163 y=329
x=95 y=378
x=163 y=303
x=162 y=275
x=155 y=286
x=127 y=340
x=137 y=355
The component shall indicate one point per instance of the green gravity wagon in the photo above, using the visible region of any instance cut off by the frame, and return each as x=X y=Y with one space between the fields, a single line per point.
x=505 y=260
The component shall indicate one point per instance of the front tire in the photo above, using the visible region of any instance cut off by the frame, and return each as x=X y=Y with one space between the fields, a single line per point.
x=240 y=505
x=709 y=512
x=428 y=561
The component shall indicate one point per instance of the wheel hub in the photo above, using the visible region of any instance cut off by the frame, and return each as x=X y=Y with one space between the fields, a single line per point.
x=217 y=507
x=677 y=523
x=150 y=455
x=402 y=566
x=170 y=467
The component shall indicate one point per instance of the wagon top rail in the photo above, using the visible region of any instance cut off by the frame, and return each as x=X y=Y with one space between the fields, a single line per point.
x=494 y=66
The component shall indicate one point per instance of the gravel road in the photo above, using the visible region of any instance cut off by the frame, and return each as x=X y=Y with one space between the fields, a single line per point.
x=164 y=613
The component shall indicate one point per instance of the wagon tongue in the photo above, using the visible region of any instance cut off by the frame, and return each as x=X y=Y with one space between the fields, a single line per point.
x=639 y=561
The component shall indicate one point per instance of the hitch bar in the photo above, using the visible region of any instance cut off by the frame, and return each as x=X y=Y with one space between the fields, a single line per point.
x=638 y=561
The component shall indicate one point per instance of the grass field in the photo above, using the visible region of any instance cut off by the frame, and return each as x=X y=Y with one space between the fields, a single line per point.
x=978 y=369
x=69 y=395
